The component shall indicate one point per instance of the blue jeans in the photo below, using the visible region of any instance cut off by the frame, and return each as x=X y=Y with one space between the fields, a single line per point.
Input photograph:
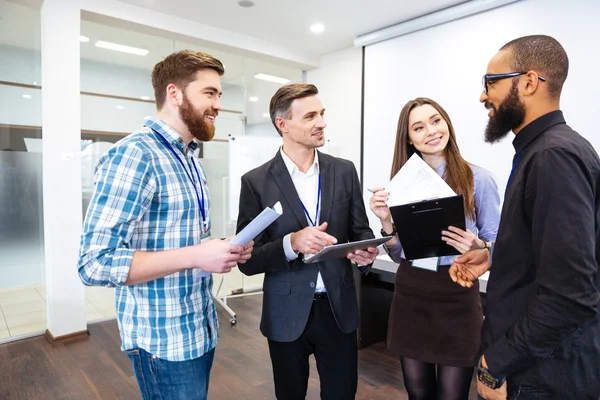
x=171 y=380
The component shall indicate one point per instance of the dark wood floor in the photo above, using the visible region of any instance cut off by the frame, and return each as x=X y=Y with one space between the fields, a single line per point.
x=95 y=368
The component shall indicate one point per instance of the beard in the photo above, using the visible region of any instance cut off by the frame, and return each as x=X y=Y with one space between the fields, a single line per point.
x=509 y=115
x=196 y=124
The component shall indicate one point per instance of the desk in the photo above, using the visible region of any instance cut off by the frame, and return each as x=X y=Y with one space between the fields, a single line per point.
x=375 y=292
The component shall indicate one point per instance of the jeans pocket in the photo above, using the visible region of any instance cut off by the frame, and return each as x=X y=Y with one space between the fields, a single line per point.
x=133 y=352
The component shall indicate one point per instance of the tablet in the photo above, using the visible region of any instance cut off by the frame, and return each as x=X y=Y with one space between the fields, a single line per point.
x=342 y=250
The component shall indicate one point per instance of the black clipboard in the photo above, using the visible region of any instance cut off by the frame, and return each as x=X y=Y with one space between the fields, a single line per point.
x=419 y=226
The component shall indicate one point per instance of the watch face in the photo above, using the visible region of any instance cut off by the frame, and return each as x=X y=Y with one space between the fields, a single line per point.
x=487 y=380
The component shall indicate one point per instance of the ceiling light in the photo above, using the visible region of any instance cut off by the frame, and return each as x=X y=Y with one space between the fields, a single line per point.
x=84 y=39
x=266 y=115
x=120 y=107
x=121 y=48
x=145 y=98
x=35 y=83
x=26 y=96
x=271 y=78
x=253 y=99
x=317 y=28
x=245 y=3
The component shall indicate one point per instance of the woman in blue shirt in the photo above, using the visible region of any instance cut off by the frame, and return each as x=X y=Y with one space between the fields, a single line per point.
x=434 y=324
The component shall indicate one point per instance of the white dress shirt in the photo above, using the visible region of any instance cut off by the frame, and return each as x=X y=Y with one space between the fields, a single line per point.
x=307 y=187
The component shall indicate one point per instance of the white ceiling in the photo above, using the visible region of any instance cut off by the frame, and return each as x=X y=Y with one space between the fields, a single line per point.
x=287 y=22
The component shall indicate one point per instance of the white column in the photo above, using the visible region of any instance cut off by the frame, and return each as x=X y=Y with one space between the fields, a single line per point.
x=61 y=136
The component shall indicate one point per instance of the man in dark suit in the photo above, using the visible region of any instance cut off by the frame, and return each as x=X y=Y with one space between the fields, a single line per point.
x=307 y=308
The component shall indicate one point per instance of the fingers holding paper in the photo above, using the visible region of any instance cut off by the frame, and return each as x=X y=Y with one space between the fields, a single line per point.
x=246 y=252
x=311 y=239
x=469 y=267
x=462 y=241
x=364 y=257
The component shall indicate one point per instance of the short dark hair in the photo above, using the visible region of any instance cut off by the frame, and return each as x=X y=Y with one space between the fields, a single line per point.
x=282 y=100
x=180 y=68
x=543 y=54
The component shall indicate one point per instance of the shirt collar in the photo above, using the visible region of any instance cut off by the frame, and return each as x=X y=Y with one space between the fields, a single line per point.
x=536 y=127
x=293 y=168
x=166 y=131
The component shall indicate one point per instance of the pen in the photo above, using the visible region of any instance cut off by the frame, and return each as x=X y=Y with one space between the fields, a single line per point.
x=370 y=190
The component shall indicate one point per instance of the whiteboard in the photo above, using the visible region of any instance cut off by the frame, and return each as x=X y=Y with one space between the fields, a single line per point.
x=245 y=154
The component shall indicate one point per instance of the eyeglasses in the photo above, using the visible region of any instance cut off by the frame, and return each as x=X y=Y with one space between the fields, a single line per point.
x=495 y=77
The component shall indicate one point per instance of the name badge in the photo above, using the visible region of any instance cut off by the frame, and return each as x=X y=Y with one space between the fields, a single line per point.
x=430 y=264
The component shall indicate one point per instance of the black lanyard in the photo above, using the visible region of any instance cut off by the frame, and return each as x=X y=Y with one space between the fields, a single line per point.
x=199 y=197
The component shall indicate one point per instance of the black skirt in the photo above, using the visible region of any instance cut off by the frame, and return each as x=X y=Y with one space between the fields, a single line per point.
x=433 y=319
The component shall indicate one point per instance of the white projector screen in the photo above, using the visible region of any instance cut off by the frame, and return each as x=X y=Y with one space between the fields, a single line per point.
x=446 y=63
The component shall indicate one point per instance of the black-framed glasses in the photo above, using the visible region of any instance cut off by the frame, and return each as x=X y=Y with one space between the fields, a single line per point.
x=495 y=77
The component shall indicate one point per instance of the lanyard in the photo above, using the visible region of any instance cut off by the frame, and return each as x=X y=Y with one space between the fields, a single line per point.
x=200 y=197
x=513 y=170
x=318 y=202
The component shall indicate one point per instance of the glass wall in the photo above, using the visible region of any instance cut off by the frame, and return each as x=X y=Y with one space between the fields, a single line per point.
x=22 y=295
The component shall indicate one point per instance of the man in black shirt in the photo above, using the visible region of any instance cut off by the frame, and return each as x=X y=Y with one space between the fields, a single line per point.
x=541 y=336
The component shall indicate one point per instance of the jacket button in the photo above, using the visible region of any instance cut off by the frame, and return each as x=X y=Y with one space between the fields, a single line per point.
x=312 y=284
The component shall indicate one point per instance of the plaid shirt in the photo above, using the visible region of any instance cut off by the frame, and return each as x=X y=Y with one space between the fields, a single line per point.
x=145 y=200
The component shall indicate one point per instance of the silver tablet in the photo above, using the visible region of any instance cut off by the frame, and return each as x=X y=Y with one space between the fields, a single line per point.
x=342 y=250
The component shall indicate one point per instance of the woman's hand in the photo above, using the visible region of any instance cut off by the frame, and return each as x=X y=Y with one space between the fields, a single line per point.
x=378 y=204
x=462 y=241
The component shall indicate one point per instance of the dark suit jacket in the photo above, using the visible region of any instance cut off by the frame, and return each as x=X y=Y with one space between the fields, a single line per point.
x=289 y=286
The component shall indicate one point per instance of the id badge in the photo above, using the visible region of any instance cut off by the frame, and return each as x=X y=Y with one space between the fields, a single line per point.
x=430 y=264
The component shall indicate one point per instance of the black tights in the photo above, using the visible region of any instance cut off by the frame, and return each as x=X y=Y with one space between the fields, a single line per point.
x=423 y=383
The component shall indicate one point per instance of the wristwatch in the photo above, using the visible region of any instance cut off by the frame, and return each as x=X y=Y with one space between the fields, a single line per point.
x=484 y=376
x=384 y=233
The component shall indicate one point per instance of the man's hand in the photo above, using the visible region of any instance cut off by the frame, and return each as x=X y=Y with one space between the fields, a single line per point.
x=490 y=394
x=470 y=266
x=364 y=257
x=462 y=241
x=311 y=239
x=246 y=252
x=219 y=256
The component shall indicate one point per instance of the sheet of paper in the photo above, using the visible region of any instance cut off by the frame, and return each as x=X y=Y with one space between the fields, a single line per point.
x=252 y=230
x=416 y=181
x=258 y=224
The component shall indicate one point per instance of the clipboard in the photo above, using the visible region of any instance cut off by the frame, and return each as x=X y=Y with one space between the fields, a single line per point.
x=342 y=250
x=419 y=226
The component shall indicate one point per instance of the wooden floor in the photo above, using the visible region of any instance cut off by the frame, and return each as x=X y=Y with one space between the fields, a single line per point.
x=95 y=368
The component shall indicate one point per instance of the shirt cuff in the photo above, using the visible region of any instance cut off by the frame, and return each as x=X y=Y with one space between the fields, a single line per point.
x=120 y=266
x=290 y=254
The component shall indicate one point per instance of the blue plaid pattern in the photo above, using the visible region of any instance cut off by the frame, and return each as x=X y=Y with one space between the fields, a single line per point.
x=144 y=200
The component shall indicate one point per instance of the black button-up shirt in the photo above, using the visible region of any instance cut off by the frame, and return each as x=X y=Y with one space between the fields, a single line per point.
x=542 y=323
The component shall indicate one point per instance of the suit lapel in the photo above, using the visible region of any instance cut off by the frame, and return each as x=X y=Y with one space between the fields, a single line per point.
x=327 y=174
x=282 y=178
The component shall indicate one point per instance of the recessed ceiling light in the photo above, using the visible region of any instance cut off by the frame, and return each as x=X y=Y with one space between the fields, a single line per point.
x=245 y=3
x=271 y=78
x=35 y=83
x=317 y=28
x=121 y=48
x=120 y=107
x=266 y=115
x=26 y=96
x=84 y=39
x=253 y=99
x=145 y=98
